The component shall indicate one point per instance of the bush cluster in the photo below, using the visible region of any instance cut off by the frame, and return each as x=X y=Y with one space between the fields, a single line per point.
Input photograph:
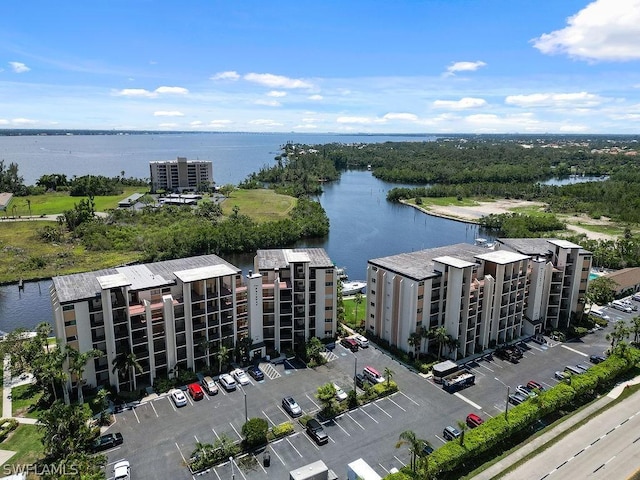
x=7 y=425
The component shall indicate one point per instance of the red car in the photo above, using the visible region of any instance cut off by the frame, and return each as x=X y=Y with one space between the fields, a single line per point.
x=474 y=420
x=195 y=390
x=533 y=385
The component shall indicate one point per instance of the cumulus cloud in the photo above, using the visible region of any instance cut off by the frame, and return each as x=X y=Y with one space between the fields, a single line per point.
x=603 y=30
x=408 y=117
x=264 y=122
x=162 y=113
x=23 y=121
x=196 y=123
x=359 y=120
x=305 y=126
x=230 y=75
x=276 y=81
x=464 y=67
x=168 y=125
x=578 y=99
x=462 y=104
x=19 y=67
x=276 y=93
x=220 y=123
x=141 y=92
x=268 y=103
x=315 y=97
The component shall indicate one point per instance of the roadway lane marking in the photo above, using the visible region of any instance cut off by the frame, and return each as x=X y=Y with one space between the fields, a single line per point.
x=409 y=398
x=197 y=441
x=356 y=422
x=441 y=439
x=383 y=411
x=397 y=405
x=461 y=397
x=363 y=411
x=154 y=409
x=292 y=446
x=272 y=422
x=574 y=351
x=317 y=406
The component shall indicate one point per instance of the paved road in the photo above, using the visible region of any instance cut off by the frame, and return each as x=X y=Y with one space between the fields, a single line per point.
x=606 y=447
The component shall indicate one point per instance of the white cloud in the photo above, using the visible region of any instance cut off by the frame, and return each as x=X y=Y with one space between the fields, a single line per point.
x=4 y=121
x=462 y=104
x=168 y=125
x=409 y=117
x=564 y=100
x=162 y=113
x=263 y=122
x=359 y=120
x=19 y=67
x=276 y=81
x=603 y=30
x=268 y=103
x=276 y=93
x=220 y=123
x=464 y=67
x=196 y=123
x=141 y=92
x=574 y=128
x=315 y=97
x=305 y=126
x=23 y=121
x=231 y=75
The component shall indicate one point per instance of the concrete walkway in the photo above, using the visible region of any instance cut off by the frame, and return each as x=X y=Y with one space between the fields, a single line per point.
x=497 y=469
x=7 y=384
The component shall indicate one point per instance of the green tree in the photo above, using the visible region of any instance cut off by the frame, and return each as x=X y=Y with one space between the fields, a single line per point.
x=635 y=328
x=439 y=334
x=462 y=426
x=222 y=355
x=327 y=395
x=255 y=432
x=620 y=333
x=314 y=350
x=126 y=364
x=77 y=363
x=388 y=373
x=357 y=300
x=409 y=438
x=65 y=430
x=601 y=291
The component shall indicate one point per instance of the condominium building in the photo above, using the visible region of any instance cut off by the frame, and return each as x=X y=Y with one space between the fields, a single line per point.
x=177 y=314
x=481 y=297
x=171 y=315
x=180 y=174
x=298 y=296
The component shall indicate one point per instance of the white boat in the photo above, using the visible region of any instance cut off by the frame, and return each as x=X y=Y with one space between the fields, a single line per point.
x=351 y=288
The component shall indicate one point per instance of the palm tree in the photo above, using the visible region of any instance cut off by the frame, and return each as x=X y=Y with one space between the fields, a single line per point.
x=452 y=345
x=620 y=332
x=357 y=299
x=439 y=334
x=77 y=364
x=414 y=341
x=463 y=428
x=635 y=328
x=388 y=373
x=409 y=438
x=223 y=355
x=127 y=364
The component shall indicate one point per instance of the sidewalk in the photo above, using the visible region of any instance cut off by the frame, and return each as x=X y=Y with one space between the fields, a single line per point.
x=496 y=470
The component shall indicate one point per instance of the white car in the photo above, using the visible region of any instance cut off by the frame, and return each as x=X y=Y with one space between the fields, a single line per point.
x=178 y=397
x=122 y=470
x=241 y=376
x=227 y=382
x=362 y=341
x=340 y=393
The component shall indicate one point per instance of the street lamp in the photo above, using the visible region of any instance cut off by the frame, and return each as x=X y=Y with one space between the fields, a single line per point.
x=355 y=372
x=233 y=475
x=246 y=415
x=506 y=405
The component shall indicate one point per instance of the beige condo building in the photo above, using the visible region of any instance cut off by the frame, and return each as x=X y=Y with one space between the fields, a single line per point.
x=180 y=175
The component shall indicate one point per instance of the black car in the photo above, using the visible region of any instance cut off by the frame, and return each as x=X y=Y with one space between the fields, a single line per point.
x=255 y=372
x=315 y=431
x=597 y=358
x=427 y=449
x=105 y=442
x=361 y=380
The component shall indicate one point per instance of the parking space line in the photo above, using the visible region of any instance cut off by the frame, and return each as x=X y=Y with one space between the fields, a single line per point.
x=259 y=463
x=272 y=422
x=216 y=472
x=383 y=468
x=574 y=350
x=234 y=429
x=134 y=412
x=403 y=464
x=383 y=411
x=172 y=405
x=292 y=446
x=409 y=398
x=363 y=411
x=441 y=439
x=154 y=409
x=391 y=400
x=545 y=383
x=239 y=469
x=197 y=441
x=189 y=399
x=317 y=406
x=206 y=395
x=274 y=451
x=356 y=422
x=221 y=389
x=461 y=397
x=215 y=433
x=312 y=442
x=180 y=451
x=484 y=366
x=340 y=426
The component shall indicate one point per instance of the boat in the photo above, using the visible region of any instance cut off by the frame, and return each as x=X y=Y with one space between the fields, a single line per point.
x=351 y=288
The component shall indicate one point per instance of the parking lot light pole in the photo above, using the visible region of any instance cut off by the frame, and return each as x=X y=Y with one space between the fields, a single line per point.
x=355 y=372
x=233 y=474
x=246 y=415
x=506 y=405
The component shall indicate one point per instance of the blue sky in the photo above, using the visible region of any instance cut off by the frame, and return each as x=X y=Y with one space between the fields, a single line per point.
x=430 y=66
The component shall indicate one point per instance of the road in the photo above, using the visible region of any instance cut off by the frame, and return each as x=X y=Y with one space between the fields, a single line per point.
x=606 y=447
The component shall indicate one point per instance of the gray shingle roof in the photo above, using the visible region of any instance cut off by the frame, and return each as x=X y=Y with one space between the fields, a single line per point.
x=282 y=258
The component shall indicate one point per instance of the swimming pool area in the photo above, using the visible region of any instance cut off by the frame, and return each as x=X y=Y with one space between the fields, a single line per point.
x=593 y=275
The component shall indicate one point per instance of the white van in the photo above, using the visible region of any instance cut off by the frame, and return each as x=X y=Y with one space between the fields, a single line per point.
x=620 y=305
x=373 y=375
x=596 y=312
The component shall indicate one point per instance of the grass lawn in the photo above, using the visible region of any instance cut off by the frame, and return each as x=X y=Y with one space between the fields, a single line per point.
x=350 y=312
x=57 y=202
x=260 y=205
x=443 y=202
x=24 y=400
x=25 y=441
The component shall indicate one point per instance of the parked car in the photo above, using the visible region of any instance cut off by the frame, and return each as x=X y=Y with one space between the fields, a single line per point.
x=340 y=393
x=427 y=449
x=227 y=382
x=533 y=385
x=449 y=433
x=291 y=406
x=361 y=380
x=107 y=441
x=255 y=372
x=178 y=397
x=195 y=391
x=362 y=341
x=315 y=431
x=583 y=367
x=474 y=420
x=209 y=385
x=349 y=343
x=560 y=375
x=240 y=376
x=623 y=307
x=522 y=345
x=636 y=296
x=597 y=358
x=517 y=398
x=122 y=470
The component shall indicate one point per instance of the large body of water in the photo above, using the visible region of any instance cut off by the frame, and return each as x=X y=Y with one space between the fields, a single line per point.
x=363 y=224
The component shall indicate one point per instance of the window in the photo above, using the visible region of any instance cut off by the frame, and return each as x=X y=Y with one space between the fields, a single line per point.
x=330 y=307
x=373 y=280
x=69 y=323
x=328 y=284
x=72 y=338
x=328 y=320
x=67 y=308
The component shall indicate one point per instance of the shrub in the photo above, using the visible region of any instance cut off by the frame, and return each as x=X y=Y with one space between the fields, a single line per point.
x=304 y=419
x=6 y=427
x=282 y=430
x=255 y=432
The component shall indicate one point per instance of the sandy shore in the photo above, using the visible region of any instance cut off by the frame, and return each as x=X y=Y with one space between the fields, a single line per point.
x=473 y=213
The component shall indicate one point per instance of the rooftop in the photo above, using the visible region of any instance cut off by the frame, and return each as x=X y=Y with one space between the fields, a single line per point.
x=502 y=257
x=282 y=258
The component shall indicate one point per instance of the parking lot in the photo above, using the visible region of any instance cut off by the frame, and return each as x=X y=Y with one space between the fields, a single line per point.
x=159 y=438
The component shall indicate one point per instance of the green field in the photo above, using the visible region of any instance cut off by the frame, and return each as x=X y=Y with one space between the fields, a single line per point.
x=25 y=441
x=444 y=202
x=260 y=205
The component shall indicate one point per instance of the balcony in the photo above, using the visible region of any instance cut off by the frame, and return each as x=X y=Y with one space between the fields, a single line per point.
x=196 y=297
